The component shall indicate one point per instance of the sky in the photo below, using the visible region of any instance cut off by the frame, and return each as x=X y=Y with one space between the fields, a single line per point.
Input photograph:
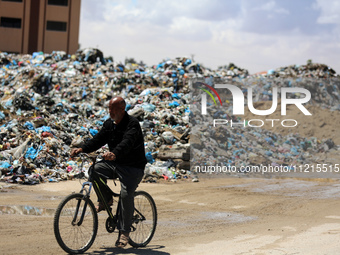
x=257 y=35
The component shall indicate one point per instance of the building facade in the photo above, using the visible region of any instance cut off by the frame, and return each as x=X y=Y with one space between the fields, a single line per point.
x=27 y=26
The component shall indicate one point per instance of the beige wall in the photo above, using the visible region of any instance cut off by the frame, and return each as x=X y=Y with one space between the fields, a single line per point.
x=11 y=38
x=41 y=29
x=74 y=28
x=17 y=40
x=13 y=8
x=55 y=41
x=57 y=13
x=26 y=26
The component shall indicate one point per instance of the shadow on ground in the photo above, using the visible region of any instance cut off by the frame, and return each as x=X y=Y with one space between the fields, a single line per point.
x=149 y=250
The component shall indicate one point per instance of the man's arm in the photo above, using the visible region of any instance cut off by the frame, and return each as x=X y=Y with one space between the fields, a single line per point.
x=99 y=140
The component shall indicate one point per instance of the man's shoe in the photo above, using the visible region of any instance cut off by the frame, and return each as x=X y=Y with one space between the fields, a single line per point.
x=123 y=240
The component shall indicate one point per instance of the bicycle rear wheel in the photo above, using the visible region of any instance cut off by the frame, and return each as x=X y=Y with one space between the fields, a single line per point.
x=144 y=220
x=74 y=236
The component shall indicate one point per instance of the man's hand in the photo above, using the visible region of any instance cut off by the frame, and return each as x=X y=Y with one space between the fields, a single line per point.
x=109 y=156
x=75 y=151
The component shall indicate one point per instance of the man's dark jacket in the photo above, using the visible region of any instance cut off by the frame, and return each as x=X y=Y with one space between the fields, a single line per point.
x=125 y=140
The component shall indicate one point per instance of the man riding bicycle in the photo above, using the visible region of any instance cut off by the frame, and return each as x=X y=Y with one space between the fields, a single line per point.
x=124 y=160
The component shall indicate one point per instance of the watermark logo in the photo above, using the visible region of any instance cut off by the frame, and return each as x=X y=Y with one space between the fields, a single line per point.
x=204 y=97
x=238 y=101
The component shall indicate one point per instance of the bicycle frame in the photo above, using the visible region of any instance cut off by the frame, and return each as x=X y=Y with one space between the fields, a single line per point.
x=99 y=185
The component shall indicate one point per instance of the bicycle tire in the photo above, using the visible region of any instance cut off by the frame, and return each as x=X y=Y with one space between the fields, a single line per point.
x=72 y=238
x=144 y=229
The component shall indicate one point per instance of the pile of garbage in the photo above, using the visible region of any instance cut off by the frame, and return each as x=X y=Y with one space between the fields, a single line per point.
x=310 y=70
x=240 y=146
x=50 y=103
x=232 y=71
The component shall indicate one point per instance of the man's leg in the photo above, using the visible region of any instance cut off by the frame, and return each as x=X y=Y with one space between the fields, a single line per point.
x=127 y=206
x=107 y=170
x=129 y=178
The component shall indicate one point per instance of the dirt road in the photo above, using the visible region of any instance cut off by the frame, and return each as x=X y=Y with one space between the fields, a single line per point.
x=213 y=216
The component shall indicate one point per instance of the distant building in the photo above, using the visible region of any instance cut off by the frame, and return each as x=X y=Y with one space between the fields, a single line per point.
x=27 y=26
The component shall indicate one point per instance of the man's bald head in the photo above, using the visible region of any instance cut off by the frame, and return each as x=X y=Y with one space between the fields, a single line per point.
x=117 y=108
x=117 y=102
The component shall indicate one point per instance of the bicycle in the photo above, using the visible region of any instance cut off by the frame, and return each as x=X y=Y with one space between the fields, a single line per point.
x=76 y=219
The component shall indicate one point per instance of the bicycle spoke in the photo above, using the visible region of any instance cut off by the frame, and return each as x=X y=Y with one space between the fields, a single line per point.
x=71 y=237
x=145 y=219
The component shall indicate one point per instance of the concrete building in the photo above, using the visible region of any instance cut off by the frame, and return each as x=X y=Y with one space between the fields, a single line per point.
x=27 y=26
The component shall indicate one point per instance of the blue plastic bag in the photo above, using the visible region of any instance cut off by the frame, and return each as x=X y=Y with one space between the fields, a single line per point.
x=5 y=165
x=2 y=116
x=174 y=104
x=33 y=153
x=29 y=125
x=149 y=157
x=93 y=131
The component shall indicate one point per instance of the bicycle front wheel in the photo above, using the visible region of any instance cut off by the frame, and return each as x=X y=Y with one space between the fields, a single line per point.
x=144 y=220
x=75 y=224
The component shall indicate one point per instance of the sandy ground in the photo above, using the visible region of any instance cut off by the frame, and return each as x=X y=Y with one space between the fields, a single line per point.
x=213 y=216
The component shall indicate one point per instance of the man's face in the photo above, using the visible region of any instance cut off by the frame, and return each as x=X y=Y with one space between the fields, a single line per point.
x=116 y=112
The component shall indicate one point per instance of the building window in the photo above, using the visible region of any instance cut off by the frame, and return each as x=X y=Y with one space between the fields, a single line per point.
x=58 y=2
x=18 y=1
x=10 y=22
x=56 y=26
